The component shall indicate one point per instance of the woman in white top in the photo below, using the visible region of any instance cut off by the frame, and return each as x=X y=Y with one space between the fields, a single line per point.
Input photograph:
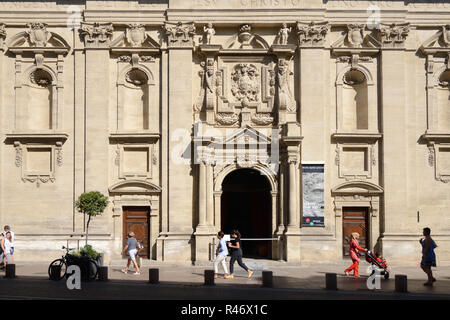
x=7 y=248
x=222 y=253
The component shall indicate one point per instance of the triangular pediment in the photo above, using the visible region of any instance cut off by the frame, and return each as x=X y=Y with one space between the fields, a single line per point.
x=134 y=187
x=246 y=135
x=357 y=187
x=435 y=43
x=148 y=42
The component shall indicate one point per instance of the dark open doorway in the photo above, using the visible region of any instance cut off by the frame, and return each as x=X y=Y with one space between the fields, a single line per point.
x=247 y=206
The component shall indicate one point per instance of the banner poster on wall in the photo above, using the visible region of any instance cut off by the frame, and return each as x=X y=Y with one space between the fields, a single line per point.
x=313 y=195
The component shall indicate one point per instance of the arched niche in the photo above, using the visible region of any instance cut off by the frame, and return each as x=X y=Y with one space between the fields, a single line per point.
x=443 y=101
x=39 y=89
x=135 y=100
x=356 y=101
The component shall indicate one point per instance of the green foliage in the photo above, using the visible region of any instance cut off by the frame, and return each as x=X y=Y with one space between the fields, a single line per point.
x=86 y=251
x=91 y=203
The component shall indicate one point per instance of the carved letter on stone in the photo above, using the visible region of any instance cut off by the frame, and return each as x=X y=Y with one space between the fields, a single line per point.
x=38 y=35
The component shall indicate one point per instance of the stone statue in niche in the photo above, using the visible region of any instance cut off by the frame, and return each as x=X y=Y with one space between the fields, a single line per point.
x=284 y=34
x=246 y=84
x=208 y=84
x=355 y=35
x=209 y=33
x=285 y=100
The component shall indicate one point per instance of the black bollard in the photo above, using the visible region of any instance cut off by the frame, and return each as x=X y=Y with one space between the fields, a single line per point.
x=331 y=281
x=401 y=283
x=103 y=273
x=153 y=276
x=267 y=279
x=209 y=277
x=10 y=271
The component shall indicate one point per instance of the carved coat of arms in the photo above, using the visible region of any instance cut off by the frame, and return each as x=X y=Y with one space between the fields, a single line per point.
x=245 y=83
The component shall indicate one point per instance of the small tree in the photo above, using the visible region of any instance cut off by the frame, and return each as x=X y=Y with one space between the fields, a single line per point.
x=91 y=204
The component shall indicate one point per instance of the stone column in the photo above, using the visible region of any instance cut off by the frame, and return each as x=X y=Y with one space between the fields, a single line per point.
x=177 y=243
x=394 y=78
x=96 y=39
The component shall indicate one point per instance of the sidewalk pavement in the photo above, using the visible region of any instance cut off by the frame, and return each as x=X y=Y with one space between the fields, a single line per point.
x=301 y=277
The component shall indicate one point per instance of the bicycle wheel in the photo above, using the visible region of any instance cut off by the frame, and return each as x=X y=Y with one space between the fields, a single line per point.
x=61 y=268
x=93 y=269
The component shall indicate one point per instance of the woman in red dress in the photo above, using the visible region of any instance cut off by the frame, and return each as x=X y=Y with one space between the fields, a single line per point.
x=353 y=252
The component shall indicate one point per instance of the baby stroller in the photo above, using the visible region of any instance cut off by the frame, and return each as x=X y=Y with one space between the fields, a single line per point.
x=372 y=259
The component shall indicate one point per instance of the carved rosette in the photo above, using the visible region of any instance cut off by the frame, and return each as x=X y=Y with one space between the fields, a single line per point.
x=180 y=35
x=355 y=35
x=96 y=34
x=38 y=35
x=312 y=34
x=135 y=34
x=393 y=35
x=245 y=83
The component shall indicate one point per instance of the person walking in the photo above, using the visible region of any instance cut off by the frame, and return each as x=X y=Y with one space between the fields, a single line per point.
x=353 y=252
x=428 y=255
x=131 y=246
x=236 y=253
x=222 y=253
x=6 y=245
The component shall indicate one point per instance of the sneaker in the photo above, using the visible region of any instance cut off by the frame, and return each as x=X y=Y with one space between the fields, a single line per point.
x=250 y=273
x=137 y=273
x=124 y=271
x=228 y=276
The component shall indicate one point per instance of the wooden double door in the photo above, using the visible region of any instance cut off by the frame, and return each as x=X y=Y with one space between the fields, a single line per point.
x=355 y=219
x=137 y=220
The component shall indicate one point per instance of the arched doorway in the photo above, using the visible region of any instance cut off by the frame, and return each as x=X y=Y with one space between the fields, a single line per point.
x=246 y=205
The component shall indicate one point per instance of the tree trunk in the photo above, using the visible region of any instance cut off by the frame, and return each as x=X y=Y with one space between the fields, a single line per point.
x=87 y=229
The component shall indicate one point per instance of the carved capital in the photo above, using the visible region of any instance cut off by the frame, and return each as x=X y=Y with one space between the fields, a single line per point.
x=180 y=35
x=393 y=35
x=96 y=34
x=312 y=34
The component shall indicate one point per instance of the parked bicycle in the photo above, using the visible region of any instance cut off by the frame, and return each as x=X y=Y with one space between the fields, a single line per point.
x=88 y=266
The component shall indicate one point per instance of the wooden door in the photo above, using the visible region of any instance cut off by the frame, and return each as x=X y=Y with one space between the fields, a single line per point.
x=354 y=220
x=137 y=219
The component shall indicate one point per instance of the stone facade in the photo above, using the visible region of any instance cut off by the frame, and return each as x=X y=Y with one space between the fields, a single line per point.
x=141 y=100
